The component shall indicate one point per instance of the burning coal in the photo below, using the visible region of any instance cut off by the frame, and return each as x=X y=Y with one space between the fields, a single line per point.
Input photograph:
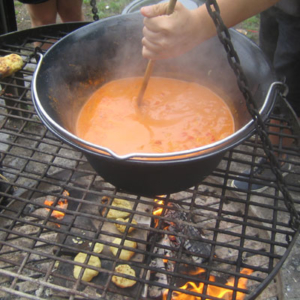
x=62 y=203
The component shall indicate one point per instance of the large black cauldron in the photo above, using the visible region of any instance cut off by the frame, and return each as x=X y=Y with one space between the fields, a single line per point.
x=111 y=48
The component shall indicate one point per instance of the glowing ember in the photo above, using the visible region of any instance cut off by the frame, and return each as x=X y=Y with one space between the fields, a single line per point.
x=62 y=203
x=214 y=291
x=165 y=260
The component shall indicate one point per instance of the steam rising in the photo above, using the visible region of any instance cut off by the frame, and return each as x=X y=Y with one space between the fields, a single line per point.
x=111 y=48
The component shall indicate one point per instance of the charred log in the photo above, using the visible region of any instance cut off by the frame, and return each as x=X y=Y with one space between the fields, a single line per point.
x=191 y=237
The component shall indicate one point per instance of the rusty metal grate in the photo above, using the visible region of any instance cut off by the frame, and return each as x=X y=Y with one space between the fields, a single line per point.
x=206 y=235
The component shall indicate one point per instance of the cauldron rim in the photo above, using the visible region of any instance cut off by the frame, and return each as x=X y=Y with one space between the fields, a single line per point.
x=74 y=140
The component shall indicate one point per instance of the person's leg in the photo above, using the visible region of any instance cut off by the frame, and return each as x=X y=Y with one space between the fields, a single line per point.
x=287 y=56
x=42 y=13
x=268 y=33
x=270 y=41
x=279 y=39
x=271 y=38
x=70 y=10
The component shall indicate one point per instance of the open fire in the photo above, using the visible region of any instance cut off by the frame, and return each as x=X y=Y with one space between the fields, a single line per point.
x=212 y=290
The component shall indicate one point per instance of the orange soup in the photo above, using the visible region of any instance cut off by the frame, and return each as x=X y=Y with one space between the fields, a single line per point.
x=174 y=115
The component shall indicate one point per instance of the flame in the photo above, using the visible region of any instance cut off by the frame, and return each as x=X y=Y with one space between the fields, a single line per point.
x=62 y=203
x=158 y=211
x=214 y=291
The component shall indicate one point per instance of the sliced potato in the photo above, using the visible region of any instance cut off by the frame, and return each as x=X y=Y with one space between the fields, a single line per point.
x=88 y=274
x=125 y=254
x=98 y=248
x=115 y=213
x=122 y=227
x=10 y=64
x=121 y=281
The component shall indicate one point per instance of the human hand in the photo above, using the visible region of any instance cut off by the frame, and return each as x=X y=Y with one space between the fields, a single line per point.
x=167 y=36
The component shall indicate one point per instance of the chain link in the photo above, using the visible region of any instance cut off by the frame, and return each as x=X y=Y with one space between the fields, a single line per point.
x=234 y=61
x=94 y=10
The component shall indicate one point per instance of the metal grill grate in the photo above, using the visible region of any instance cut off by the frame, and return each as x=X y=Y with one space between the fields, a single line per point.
x=207 y=234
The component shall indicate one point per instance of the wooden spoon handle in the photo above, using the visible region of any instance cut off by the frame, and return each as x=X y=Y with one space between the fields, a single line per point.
x=171 y=6
x=147 y=75
x=150 y=65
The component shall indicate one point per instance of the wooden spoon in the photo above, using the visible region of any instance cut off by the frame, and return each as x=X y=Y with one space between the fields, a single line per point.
x=150 y=65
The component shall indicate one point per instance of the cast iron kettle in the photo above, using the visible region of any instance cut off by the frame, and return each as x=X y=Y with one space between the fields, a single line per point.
x=110 y=49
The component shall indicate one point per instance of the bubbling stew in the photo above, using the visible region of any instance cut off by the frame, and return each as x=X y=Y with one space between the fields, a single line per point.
x=174 y=116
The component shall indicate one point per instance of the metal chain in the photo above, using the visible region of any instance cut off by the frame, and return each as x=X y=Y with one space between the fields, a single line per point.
x=234 y=61
x=94 y=10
